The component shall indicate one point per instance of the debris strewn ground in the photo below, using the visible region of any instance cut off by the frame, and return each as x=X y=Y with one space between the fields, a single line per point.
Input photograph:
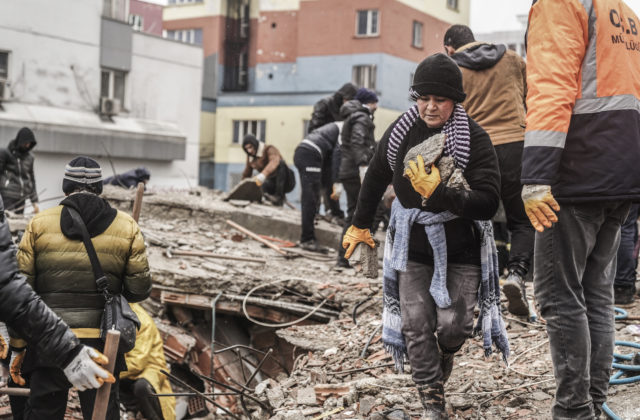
x=327 y=366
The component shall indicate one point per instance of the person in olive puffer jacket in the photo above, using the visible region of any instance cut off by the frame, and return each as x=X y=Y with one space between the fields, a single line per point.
x=357 y=149
x=17 y=182
x=55 y=261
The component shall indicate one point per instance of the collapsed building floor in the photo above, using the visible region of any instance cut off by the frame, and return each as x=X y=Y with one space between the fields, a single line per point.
x=293 y=337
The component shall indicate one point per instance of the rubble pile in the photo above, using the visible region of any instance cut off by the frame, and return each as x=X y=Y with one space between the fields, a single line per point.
x=268 y=363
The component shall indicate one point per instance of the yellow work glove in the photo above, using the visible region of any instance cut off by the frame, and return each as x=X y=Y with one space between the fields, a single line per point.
x=259 y=179
x=336 y=191
x=424 y=183
x=538 y=204
x=15 y=366
x=353 y=237
x=4 y=348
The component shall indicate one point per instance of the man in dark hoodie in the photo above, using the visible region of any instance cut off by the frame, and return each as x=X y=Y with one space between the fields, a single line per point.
x=494 y=79
x=129 y=179
x=17 y=182
x=357 y=149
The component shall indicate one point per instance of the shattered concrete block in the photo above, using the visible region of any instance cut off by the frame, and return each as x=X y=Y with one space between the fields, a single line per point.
x=430 y=150
x=460 y=403
x=306 y=396
x=262 y=386
x=366 y=404
x=365 y=259
x=275 y=396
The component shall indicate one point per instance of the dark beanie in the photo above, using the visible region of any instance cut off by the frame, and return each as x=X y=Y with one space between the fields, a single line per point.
x=347 y=91
x=366 y=96
x=439 y=75
x=82 y=173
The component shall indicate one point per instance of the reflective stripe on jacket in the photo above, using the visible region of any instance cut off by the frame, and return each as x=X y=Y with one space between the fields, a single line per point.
x=583 y=78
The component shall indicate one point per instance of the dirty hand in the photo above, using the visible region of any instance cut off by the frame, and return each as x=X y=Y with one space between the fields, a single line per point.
x=538 y=204
x=15 y=365
x=36 y=209
x=336 y=191
x=4 y=348
x=259 y=179
x=424 y=183
x=353 y=237
x=84 y=372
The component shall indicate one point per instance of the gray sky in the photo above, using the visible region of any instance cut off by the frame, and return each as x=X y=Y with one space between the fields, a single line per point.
x=500 y=15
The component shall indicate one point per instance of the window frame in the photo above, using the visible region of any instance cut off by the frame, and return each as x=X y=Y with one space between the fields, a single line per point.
x=111 y=84
x=186 y=36
x=420 y=44
x=136 y=22
x=359 y=78
x=368 y=30
x=4 y=79
x=242 y=127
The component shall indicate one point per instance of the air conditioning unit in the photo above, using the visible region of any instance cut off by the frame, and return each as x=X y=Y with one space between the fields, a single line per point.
x=109 y=106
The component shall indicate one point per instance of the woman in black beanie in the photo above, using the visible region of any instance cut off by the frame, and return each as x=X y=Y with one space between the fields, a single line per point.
x=431 y=280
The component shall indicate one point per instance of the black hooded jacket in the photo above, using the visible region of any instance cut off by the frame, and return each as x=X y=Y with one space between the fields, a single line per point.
x=358 y=142
x=327 y=110
x=16 y=170
x=25 y=313
x=129 y=179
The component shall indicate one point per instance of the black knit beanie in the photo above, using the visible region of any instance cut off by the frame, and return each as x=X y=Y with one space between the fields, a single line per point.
x=439 y=75
x=366 y=96
x=82 y=173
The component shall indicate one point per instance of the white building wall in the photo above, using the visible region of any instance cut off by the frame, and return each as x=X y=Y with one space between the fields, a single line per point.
x=55 y=62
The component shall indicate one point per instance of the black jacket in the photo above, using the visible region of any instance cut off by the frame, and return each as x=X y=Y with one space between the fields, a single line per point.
x=481 y=203
x=16 y=173
x=326 y=110
x=326 y=141
x=358 y=142
x=23 y=311
x=129 y=179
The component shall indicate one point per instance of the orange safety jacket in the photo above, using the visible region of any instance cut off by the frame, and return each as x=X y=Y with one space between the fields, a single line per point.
x=583 y=102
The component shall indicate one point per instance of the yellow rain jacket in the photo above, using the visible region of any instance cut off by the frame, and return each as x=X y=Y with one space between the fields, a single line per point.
x=147 y=358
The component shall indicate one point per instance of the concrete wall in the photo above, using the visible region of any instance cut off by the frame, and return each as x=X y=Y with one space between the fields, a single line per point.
x=166 y=85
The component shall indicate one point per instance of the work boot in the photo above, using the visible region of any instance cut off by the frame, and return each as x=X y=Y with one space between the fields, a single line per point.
x=311 y=245
x=515 y=291
x=623 y=295
x=432 y=399
x=446 y=364
x=342 y=262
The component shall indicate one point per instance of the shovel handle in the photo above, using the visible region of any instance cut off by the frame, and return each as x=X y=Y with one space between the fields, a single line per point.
x=102 y=396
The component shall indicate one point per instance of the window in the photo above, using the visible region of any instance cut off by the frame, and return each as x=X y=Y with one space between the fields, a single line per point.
x=136 y=22
x=115 y=9
x=243 y=127
x=367 y=23
x=452 y=4
x=364 y=76
x=417 y=34
x=112 y=84
x=184 y=1
x=4 y=71
x=189 y=36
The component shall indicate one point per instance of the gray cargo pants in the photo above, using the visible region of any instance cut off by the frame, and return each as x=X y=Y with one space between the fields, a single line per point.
x=425 y=326
x=575 y=264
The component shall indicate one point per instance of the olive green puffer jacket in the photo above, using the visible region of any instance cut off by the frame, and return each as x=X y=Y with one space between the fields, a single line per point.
x=59 y=269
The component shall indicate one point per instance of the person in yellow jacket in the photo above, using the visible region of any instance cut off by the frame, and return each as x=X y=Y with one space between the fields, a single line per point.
x=143 y=376
x=55 y=262
x=580 y=174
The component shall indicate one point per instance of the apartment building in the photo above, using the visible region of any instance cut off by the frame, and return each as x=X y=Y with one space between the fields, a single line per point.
x=266 y=62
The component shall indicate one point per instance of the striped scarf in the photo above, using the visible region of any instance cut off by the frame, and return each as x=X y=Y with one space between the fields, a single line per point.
x=456 y=130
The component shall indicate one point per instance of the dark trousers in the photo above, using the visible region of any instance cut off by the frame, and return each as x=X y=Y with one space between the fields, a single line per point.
x=49 y=393
x=309 y=163
x=425 y=326
x=522 y=233
x=138 y=396
x=15 y=205
x=351 y=188
x=627 y=264
x=573 y=280
x=280 y=182
x=330 y=205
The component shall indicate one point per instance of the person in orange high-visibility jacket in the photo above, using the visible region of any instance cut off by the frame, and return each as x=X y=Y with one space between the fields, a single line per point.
x=580 y=173
x=143 y=376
